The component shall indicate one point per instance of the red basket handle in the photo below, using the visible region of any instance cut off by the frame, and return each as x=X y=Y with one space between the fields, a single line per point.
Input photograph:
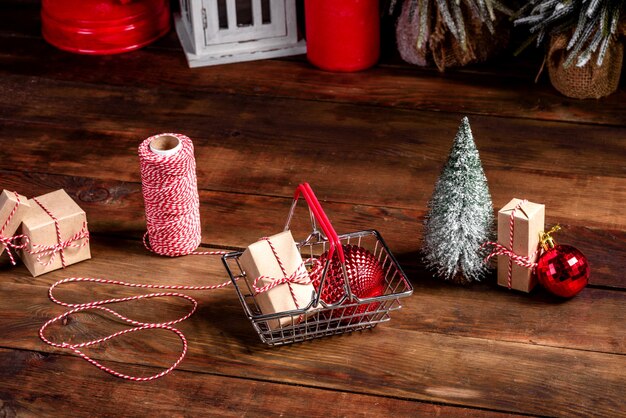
x=305 y=190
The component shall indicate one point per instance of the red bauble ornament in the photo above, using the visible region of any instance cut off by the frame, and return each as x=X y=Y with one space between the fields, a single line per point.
x=562 y=269
x=365 y=275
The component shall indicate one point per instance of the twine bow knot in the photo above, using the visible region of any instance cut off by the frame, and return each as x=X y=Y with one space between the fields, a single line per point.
x=299 y=276
x=11 y=243
x=8 y=242
x=43 y=251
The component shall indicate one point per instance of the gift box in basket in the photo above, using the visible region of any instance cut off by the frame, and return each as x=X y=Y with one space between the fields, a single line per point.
x=266 y=262
x=347 y=282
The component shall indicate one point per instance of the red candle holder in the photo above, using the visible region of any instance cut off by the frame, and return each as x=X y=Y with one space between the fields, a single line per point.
x=103 y=26
x=342 y=35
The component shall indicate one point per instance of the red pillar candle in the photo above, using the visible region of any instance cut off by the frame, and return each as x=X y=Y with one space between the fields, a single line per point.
x=342 y=35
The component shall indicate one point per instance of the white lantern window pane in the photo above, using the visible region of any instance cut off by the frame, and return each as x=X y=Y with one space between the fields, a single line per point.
x=222 y=17
x=266 y=14
x=218 y=33
x=222 y=31
x=244 y=13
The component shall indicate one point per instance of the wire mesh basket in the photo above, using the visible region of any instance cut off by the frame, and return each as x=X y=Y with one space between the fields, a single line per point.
x=332 y=256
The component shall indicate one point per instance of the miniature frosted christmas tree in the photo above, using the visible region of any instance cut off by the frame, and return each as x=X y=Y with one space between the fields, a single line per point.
x=460 y=217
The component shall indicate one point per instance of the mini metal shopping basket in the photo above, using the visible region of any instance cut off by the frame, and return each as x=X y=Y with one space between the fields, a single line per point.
x=318 y=318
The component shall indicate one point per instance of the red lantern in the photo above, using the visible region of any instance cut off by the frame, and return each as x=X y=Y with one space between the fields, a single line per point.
x=342 y=35
x=103 y=26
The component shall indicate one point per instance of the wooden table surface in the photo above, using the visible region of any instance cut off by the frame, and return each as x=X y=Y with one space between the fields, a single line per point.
x=371 y=144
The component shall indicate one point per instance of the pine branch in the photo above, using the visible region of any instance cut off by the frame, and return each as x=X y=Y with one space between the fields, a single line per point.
x=592 y=24
x=424 y=24
x=453 y=15
x=447 y=17
x=458 y=18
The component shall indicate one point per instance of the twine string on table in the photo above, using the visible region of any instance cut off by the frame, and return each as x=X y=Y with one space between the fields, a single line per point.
x=300 y=276
x=170 y=194
x=500 y=249
x=136 y=325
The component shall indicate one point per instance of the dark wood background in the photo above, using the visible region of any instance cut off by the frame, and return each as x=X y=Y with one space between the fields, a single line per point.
x=371 y=144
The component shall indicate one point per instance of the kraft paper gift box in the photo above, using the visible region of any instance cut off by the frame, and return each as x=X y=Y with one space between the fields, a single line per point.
x=48 y=251
x=259 y=260
x=13 y=208
x=528 y=223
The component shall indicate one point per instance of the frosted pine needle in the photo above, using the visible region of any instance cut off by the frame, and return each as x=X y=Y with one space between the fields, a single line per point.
x=460 y=217
x=454 y=14
x=592 y=24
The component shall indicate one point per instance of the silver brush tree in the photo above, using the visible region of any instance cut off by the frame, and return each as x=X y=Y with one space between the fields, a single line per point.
x=460 y=217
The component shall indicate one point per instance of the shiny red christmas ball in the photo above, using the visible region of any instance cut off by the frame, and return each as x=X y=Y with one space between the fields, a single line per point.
x=563 y=270
x=365 y=275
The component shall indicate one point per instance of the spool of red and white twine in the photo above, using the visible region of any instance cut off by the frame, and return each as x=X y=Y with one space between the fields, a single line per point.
x=170 y=193
x=168 y=173
x=169 y=185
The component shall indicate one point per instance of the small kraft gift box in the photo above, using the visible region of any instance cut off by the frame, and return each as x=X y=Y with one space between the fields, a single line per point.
x=57 y=230
x=528 y=222
x=13 y=208
x=277 y=258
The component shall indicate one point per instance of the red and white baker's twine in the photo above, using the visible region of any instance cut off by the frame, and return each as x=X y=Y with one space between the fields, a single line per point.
x=173 y=220
x=136 y=325
x=42 y=251
x=499 y=249
x=170 y=194
x=300 y=276
x=12 y=242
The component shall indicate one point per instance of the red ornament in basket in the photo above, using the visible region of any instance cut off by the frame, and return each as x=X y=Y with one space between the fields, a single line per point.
x=366 y=279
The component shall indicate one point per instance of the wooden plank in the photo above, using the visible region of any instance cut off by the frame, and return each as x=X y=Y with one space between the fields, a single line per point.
x=407 y=358
x=239 y=148
x=235 y=220
x=29 y=390
x=489 y=92
x=388 y=362
x=488 y=311
x=591 y=321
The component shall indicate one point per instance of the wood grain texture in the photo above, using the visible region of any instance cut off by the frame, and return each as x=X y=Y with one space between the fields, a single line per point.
x=444 y=346
x=239 y=149
x=116 y=208
x=592 y=321
x=389 y=362
x=26 y=391
x=371 y=144
x=477 y=93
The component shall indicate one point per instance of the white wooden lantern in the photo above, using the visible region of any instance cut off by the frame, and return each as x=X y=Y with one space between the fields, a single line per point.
x=224 y=31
